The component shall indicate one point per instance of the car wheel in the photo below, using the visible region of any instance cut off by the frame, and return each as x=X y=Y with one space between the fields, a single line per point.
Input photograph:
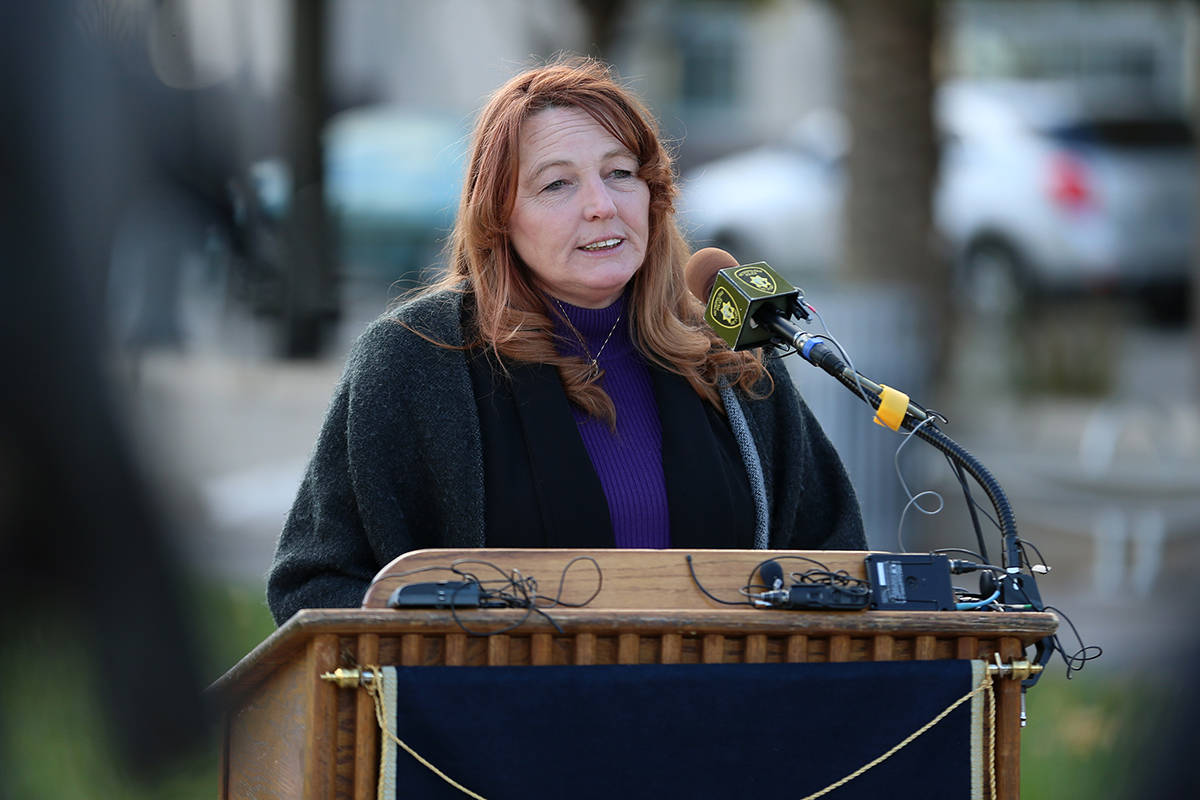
x=993 y=280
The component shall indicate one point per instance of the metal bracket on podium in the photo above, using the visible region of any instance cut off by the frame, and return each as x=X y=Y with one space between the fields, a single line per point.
x=345 y=678
x=1016 y=670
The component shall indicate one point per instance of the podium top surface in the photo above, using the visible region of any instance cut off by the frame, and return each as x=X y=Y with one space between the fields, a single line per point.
x=612 y=579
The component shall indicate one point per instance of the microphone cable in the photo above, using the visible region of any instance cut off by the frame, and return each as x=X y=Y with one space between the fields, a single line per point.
x=858 y=389
x=913 y=500
x=755 y=595
x=510 y=590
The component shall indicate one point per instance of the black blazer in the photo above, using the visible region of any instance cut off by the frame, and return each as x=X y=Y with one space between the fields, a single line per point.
x=541 y=487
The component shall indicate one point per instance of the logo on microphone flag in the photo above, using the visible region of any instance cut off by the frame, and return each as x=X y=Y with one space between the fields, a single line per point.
x=723 y=310
x=757 y=279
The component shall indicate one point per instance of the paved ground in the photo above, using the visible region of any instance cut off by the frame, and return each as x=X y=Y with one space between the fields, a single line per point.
x=1108 y=489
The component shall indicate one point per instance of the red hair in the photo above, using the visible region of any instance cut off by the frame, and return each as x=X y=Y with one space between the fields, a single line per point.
x=512 y=314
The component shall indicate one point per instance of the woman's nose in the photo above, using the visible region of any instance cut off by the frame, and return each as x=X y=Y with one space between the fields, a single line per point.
x=597 y=200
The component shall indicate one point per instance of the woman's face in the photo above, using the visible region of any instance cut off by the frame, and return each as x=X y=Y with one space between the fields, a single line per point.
x=581 y=217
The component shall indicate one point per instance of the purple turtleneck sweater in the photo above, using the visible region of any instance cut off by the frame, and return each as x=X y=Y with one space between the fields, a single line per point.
x=629 y=459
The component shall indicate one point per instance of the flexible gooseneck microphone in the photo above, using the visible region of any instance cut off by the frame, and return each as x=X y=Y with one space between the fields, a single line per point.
x=752 y=305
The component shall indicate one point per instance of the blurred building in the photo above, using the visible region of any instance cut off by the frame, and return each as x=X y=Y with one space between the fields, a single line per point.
x=1149 y=42
x=728 y=75
x=720 y=74
x=748 y=69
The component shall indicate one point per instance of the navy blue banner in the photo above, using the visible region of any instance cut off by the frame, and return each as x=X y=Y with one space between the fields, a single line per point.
x=695 y=730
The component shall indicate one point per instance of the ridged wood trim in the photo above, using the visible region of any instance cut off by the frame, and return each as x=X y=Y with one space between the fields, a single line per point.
x=628 y=648
x=839 y=648
x=345 y=740
x=456 y=649
x=882 y=647
x=797 y=649
x=498 y=650
x=925 y=648
x=541 y=649
x=287 y=643
x=756 y=648
x=714 y=649
x=1008 y=725
x=366 y=750
x=410 y=650
x=585 y=649
x=672 y=648
x=966 y=647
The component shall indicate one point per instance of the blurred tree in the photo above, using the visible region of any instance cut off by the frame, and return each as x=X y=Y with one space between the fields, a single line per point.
x=311 y=294
x=601 y=17
x=892 y=165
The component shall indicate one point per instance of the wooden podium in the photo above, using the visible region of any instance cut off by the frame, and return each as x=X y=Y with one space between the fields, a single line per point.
x=290 y=733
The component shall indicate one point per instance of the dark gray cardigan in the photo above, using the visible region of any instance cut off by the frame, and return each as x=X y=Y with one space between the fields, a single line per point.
x=398 y=465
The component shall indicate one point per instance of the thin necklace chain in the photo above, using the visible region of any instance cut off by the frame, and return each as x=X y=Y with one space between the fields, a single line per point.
x=594 y=361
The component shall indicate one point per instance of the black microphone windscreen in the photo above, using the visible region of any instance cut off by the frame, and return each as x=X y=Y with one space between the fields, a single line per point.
x=772 y=575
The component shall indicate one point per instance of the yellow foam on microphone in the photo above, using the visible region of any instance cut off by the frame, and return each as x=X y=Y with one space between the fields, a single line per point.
x=893 y=404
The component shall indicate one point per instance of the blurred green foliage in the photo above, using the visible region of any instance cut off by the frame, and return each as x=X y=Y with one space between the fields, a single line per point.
x=1089 y=736
x=53 y=737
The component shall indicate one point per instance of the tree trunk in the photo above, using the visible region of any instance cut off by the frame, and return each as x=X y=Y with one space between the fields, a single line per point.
x=311 y=293
x=889 y=232
x=601 y=16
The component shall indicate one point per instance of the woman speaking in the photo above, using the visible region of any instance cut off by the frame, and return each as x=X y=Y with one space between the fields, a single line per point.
x=558 y=386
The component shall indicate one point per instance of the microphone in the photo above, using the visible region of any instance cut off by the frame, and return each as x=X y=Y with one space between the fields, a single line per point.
x=801 y=596
x=772 y=574
x=753 y=305
x=776 y=594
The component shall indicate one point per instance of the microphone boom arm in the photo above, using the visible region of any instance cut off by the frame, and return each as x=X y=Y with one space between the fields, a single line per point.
x=752 y=305
x=817 y=352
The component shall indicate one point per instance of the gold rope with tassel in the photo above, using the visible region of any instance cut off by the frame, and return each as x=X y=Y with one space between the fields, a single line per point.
x=985 y=685
x=991 y=701
x=375 y=689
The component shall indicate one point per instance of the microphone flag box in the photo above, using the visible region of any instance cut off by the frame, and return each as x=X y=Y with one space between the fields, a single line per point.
x=738 y=294
x=910 y=582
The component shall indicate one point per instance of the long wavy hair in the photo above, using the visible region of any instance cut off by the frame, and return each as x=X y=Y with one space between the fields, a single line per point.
x=512 y=315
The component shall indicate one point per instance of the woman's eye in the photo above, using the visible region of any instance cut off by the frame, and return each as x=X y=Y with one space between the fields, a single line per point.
x=620 y=173
x=554 y=185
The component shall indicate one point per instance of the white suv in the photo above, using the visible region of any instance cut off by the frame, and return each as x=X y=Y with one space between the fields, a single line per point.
x=1044 y=187
x=1051 y=187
